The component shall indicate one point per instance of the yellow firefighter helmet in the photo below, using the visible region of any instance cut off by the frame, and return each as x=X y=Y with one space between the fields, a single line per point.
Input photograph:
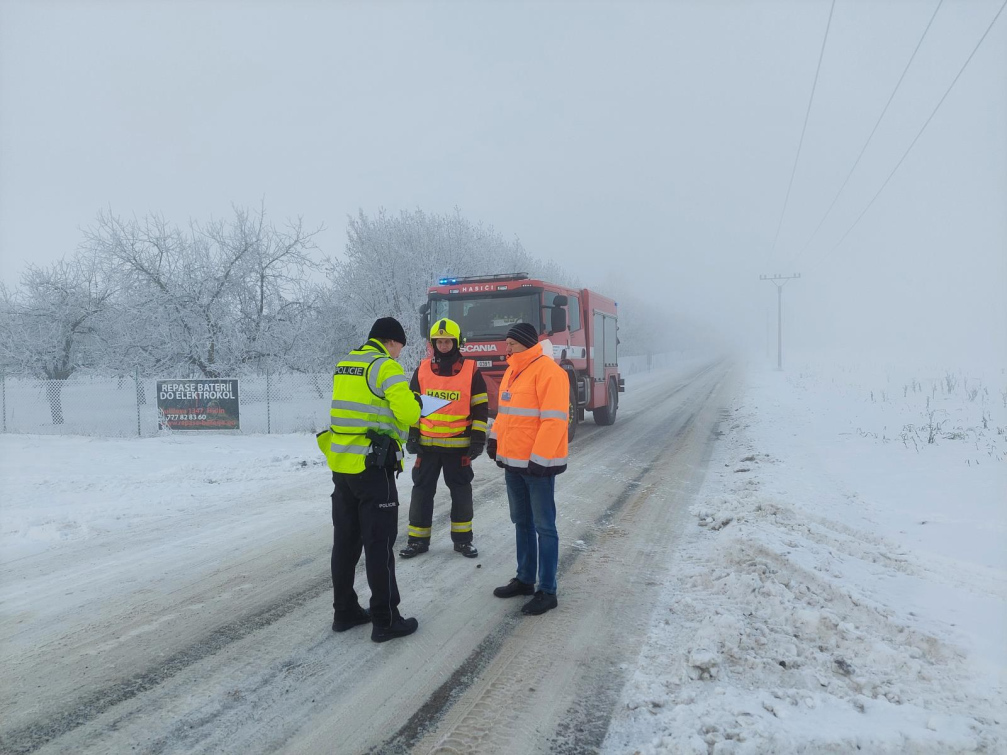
x=445 y=328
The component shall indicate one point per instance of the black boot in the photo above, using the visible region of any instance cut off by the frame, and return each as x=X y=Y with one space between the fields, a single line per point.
x=414 y=549
x=513 y=588
x=542 y=602
x=400 y=628
x=466 y=549
x=353 y=619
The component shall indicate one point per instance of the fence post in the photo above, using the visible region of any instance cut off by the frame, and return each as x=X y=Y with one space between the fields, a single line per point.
x=136 y=384
x=3 y=389
x=268 y=422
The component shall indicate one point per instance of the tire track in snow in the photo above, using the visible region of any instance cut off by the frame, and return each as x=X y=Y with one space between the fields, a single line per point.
x=32 y=736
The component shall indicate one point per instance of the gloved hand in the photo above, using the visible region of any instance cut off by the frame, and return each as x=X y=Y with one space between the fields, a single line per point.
x=491 y=448
x=413 y=442
x=475 y=449
x=537 y=470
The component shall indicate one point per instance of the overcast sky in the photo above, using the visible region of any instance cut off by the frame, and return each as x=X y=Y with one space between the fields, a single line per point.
x=653 y=141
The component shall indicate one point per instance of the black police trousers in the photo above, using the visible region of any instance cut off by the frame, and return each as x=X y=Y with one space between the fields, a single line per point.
x=365 y=516
x=458 y=477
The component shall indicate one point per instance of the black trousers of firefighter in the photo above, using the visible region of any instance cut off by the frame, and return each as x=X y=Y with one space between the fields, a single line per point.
x=458 y=477
x=365 y=516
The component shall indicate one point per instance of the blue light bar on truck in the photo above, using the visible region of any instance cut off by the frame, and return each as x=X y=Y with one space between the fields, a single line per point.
x=500 y=277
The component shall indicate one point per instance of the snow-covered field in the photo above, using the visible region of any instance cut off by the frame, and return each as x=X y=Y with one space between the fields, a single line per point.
x=841 y=584
x=844 y=586
x=59 y=491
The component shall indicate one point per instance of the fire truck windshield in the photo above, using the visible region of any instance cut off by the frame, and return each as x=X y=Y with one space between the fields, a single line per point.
x=488 y=318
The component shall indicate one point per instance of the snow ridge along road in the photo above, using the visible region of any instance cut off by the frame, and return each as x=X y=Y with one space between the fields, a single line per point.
x=238 y=655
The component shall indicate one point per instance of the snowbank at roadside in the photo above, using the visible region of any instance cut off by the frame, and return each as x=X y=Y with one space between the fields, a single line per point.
x=844 y=588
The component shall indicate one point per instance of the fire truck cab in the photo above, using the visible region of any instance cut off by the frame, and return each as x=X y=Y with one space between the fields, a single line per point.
x=580 y=326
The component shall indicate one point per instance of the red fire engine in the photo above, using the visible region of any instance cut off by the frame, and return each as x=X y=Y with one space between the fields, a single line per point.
x=579 y=324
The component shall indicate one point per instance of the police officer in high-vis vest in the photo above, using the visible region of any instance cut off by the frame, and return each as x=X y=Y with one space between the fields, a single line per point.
x=372 y=411
x=447 y=440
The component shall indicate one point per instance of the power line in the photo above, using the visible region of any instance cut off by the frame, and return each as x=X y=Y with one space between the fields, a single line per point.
x=918 y=135
x=873 y=131
x=800 y=143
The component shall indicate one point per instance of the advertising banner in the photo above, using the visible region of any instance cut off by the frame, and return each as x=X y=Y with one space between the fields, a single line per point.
x=197 y=404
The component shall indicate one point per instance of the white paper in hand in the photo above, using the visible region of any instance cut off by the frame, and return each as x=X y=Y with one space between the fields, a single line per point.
x=431 y=404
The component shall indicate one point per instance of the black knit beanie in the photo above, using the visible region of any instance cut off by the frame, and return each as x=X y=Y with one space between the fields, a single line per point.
x=388 y=329
x=524 y=333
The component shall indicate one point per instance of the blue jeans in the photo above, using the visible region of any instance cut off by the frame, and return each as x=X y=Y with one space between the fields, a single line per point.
x=533 y=511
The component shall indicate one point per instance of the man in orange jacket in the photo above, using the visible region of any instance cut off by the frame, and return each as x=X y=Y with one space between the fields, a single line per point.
x=529 y=440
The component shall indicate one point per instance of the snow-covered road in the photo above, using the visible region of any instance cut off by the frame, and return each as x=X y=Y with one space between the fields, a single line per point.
x=172 y=595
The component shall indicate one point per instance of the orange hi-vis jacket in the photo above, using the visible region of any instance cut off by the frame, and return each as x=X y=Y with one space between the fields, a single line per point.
x=446 y=428
x=532 y=414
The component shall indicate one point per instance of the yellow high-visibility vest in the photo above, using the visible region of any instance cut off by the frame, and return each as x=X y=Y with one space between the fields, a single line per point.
x=369 y=392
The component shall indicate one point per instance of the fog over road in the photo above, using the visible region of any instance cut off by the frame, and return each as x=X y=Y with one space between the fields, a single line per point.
x=211 y=634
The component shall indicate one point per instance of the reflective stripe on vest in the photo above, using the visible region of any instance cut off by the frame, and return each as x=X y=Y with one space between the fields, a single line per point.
x=462 y=442
x=522 y=463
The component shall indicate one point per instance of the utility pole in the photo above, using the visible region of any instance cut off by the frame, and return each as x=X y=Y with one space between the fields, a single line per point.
x=767 y=332
x=780 y=281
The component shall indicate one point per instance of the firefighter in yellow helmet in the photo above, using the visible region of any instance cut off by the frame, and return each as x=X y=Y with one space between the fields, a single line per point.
x=447 y=440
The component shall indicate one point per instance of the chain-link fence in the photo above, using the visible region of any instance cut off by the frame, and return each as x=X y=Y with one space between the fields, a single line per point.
x=126 y=405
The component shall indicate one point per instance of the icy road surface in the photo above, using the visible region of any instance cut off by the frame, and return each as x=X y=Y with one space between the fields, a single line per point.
x=173 y=595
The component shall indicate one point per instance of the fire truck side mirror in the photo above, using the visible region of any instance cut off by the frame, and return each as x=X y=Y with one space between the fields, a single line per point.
x=558 y=320
x=425 y=319
x=560 y=301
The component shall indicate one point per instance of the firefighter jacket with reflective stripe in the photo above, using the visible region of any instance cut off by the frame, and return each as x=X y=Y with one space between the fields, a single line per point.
x=454 y=427
x=532 y=414
x=369 y=392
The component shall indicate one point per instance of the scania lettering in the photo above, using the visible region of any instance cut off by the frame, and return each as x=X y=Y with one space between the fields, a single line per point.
x=471 y=347
x=580 y=326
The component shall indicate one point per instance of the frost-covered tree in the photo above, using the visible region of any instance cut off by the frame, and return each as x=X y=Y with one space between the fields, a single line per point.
x=225 y=296
x=274 y=300
x=208 y=299
x=51 y=324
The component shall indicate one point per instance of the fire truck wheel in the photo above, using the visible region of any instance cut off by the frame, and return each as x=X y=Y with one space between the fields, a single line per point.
x=606 y=414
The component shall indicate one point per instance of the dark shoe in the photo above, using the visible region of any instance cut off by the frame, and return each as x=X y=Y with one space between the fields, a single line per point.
x=399 y=628
x=414 y=549
x=514 y=587
x=466 y=549
x=360 y=616
x=542 y=602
